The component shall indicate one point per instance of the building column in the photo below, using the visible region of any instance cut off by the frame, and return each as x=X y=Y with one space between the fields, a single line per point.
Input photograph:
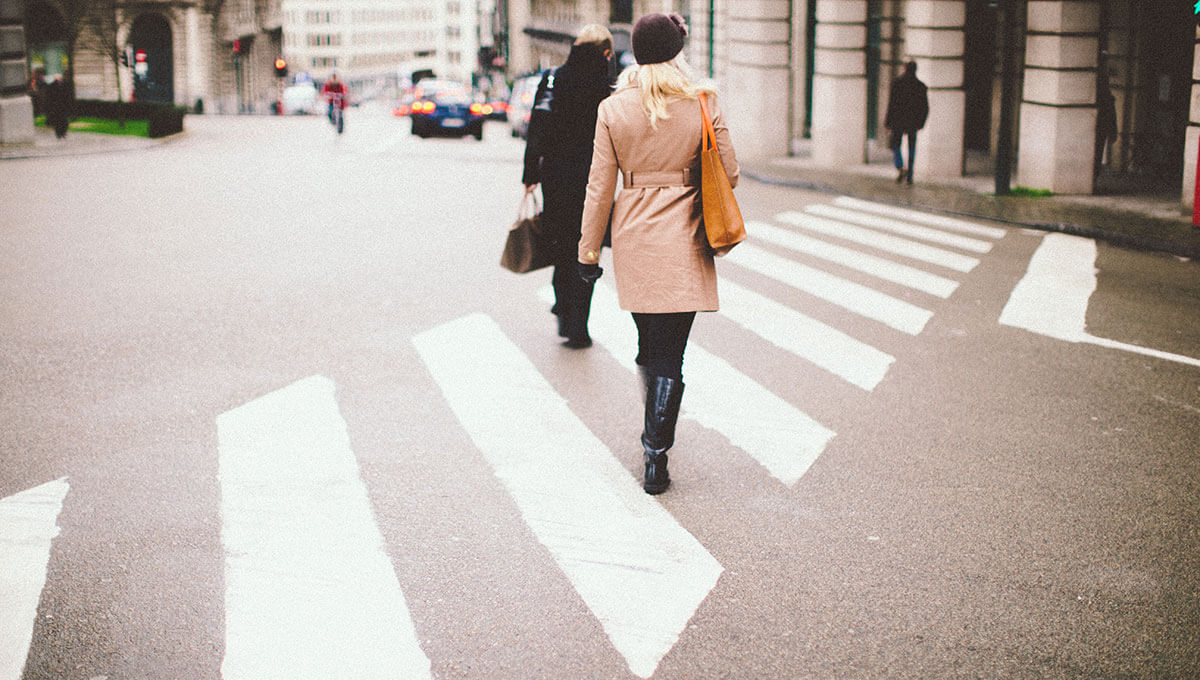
x=1191 y=148
x=934 y=39
x=198 y=50
x=839 y=112
x=16 y=109
x=1058 y=106
x=757 y=84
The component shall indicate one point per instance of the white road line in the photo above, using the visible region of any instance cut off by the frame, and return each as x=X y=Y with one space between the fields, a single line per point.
x=783 y=439
x=28 y=525
x=309 y=590
x=862 y=300
x=640 y=572
x=922 y=217
x=879 y=267
x=1052 y=298
x=895 y=226
x=851 y=360
x=879 y=240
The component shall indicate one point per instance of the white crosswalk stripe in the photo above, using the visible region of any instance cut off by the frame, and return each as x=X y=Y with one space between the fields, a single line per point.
x=878 y=267
x=28 y=524
x=909 y=215
x=596 y=522
x=296 y=519
x=783 y=439
x=880 y=241
x=862 y=300
x=903 y=228
x=852 y=360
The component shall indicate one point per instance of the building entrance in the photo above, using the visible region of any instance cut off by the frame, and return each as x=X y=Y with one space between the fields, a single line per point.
x=154 y=65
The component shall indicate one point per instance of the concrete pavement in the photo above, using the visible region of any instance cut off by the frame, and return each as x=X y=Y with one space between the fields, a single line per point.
x=1142 y=222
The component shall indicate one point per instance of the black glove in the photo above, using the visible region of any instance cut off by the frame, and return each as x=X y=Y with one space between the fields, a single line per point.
x=589 y=272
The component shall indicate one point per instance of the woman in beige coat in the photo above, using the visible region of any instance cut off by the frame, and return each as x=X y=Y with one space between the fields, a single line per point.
x=650 y=130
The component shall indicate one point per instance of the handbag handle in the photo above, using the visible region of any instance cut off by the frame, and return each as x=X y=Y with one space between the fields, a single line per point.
x=710 y=134
x=529 y=206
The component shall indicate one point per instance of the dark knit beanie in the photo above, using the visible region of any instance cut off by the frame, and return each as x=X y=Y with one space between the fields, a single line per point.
x=658 y=38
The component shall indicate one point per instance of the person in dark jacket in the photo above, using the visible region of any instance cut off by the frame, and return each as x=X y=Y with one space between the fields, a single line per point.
x=908 y=107
x=56 y=99
x=558 y=155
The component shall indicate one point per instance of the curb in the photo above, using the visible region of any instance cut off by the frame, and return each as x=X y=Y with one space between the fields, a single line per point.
x=1117 y=238
x=28 y=152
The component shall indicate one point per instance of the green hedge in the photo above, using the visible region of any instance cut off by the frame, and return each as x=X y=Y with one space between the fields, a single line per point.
x=164 y=119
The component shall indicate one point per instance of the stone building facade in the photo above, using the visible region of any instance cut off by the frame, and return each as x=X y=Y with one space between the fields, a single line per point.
x=812 y=76
x=541 y=31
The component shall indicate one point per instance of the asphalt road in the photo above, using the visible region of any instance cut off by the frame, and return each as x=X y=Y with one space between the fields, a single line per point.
x=989 y=502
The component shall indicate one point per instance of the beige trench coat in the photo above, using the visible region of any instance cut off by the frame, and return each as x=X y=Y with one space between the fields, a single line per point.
x=661 y=257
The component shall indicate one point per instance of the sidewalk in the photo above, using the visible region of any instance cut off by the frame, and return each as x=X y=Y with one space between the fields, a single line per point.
x=1141 y=222
x=45 y=144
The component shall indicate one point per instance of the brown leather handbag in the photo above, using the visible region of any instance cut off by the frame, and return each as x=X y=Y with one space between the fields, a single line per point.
x=722 y=218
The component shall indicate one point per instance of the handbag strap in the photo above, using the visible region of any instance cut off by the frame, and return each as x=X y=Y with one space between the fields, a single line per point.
x=710 y=134
x=529 y=205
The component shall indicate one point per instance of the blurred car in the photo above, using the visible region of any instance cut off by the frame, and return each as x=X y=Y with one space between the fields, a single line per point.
x=496 y=108
x=403 y=104
x=520 y=103
x=300 y=99
x=446 y=110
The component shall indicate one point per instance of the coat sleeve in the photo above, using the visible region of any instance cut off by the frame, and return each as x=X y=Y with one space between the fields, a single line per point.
x=724 y=143
x=535 y=134
x=602 y=184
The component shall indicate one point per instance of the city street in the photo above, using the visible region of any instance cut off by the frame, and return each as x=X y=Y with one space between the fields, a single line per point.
x=270 y=408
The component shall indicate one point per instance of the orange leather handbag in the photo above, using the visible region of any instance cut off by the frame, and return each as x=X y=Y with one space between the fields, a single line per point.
x=722 y=219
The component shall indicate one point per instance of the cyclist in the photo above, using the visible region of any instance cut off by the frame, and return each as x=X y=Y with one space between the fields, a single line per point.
x=335 y=91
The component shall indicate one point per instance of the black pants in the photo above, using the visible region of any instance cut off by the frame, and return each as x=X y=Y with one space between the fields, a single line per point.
x=564 y=195
x=898 y=157
x=662 y=338
x=572 y=298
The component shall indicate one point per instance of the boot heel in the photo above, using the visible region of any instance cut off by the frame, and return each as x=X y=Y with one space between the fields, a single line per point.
x=657 y=479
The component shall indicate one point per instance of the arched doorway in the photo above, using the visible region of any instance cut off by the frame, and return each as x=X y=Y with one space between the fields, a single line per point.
x=154 y=60
x=46 y=40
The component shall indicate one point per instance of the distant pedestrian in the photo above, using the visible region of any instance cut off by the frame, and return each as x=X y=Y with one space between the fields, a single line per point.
x=56 y=98
x=650 y=130
x=908 y=107
x=558 y=155
x=36 y=83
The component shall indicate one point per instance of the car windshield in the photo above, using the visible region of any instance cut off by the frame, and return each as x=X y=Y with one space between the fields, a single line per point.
x=453 y=97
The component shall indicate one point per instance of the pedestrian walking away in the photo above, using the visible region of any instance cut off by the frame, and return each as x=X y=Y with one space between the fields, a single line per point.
x=650 y=130
x=558 y=155
x=908 y=107
x=57 y=101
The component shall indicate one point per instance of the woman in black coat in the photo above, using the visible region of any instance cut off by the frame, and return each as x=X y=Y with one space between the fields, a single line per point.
x=558 y=155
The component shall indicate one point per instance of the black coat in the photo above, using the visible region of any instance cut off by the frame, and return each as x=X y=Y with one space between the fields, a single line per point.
x=558 y=153
x=908 y=104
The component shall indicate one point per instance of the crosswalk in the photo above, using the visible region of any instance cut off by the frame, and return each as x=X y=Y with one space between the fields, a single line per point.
x=296 y=515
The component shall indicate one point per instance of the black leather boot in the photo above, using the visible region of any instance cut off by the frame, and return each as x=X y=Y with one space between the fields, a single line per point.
x=663 y=397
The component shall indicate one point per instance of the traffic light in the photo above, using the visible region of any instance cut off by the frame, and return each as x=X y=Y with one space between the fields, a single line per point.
x=280 y=67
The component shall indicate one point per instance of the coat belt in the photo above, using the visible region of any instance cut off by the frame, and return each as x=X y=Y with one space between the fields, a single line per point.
x=672 y=178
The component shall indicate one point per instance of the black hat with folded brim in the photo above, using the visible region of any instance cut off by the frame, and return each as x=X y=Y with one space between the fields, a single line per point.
x=658 y=38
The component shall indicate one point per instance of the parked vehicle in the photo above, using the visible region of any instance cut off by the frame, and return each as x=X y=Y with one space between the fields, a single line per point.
x=446 y=108
x=520 y=103
x=301 y=98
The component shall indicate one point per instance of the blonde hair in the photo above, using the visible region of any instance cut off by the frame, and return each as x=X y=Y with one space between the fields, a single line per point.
x=661 y=83
x=595 y=34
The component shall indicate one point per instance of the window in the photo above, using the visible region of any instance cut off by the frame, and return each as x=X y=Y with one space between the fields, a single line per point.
x=622 y=12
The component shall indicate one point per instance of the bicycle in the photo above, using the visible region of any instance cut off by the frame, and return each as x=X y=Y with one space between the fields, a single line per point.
x=337 y=115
